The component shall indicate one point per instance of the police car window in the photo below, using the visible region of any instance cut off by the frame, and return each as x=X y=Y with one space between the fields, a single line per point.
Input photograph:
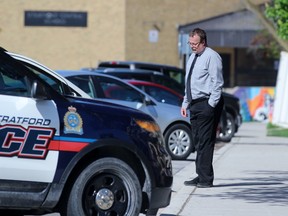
x=13 y=79
x=113 y=89
x=50 y=80
x=13 y=85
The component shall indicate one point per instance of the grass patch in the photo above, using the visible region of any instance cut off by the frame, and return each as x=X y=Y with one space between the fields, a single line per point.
x=275 y=130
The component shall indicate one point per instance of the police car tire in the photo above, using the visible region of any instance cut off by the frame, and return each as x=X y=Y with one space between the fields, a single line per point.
x=128 y=199
x=178 y=137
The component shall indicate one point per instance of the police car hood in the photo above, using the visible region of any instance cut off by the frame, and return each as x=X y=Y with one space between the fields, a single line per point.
x=115 y=108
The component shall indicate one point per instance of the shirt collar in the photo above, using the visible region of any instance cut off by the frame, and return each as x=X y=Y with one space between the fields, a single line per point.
x=199 y=54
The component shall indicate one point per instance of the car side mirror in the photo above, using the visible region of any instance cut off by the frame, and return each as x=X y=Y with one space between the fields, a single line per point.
x=148 y=101
x=38 y=91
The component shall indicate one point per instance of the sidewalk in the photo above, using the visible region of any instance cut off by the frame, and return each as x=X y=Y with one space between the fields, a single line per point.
x=251 y=179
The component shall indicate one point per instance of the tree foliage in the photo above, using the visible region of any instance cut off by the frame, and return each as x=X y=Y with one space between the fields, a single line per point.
x=277 y=11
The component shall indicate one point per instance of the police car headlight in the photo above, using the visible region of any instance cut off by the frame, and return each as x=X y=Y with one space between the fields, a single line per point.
x=148 y=126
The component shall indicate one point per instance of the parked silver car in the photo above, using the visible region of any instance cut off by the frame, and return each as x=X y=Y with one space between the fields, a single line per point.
x=175 y=128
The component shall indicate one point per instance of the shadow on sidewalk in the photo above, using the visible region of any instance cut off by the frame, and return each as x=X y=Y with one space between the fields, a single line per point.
x=272 y=189
x=167 y=215
x=247 y=184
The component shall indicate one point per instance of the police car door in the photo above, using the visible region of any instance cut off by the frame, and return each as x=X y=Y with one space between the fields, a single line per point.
x=27 y=126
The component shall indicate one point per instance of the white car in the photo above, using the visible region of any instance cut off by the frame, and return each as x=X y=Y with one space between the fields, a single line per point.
x=175 y=128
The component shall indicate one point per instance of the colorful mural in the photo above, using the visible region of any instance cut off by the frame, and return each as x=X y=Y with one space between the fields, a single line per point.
x=256 y=103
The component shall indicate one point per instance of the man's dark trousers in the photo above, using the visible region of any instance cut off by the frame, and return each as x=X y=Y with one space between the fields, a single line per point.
x=204 y=121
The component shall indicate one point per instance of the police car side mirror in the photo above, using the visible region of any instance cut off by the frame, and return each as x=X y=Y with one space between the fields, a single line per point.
x=38 y=91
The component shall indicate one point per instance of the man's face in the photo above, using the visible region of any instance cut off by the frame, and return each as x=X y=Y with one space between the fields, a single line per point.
x=195 y=44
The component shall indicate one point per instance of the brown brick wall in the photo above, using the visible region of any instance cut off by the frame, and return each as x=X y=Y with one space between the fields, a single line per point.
x=117 y=29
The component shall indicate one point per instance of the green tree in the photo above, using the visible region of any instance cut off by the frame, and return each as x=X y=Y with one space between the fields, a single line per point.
x=277 y=12
x=268 y=24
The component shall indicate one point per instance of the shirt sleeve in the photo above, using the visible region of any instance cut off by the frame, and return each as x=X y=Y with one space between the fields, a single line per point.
x=216 y=79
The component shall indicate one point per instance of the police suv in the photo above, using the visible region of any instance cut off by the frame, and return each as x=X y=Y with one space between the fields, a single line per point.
x=62 y=152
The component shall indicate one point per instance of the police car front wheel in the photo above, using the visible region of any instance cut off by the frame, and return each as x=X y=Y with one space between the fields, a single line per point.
x=107 y=186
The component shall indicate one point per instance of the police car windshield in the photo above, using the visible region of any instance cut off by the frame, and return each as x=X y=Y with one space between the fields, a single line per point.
x=17 y=76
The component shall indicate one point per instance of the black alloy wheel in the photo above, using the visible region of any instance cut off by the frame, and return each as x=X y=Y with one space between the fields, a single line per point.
x=107 y=186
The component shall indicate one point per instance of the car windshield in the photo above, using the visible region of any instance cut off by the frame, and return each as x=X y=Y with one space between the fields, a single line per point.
x=161 y=95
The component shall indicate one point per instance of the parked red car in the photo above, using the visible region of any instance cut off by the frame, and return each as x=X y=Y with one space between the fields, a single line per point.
x=159 y=92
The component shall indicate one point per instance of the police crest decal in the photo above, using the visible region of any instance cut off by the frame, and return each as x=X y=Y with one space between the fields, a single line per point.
x=73 y=122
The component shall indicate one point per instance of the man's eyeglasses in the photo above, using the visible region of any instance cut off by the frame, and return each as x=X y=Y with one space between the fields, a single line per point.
x=193 y=44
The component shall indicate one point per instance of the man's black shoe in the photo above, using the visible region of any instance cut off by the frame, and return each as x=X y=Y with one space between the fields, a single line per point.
x=192 y=182
x=204 y=185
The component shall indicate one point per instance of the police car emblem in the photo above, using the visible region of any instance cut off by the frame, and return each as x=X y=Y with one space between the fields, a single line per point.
x=73 y=122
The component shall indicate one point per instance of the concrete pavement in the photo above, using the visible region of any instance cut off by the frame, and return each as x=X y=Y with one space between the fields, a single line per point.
x=251 y=179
